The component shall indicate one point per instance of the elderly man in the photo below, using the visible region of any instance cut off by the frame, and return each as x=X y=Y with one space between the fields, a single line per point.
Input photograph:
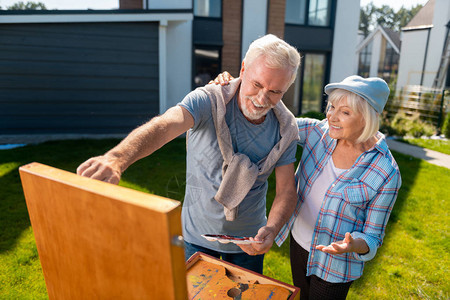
x=237 y=135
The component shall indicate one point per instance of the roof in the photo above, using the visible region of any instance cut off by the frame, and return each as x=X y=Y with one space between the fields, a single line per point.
x=391 y=36
x=423 y=18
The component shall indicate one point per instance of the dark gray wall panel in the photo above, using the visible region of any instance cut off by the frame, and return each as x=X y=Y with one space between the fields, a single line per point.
x=207 y=31
x=78 y=77
x=306 y=38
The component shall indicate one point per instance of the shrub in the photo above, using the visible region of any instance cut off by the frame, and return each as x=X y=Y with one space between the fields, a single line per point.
x=404 y=125
x=446 y=126
x=314 y=115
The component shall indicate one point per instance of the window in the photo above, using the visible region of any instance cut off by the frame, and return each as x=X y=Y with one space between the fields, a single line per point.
x=208 y=8
x=365 y=57
x=306 y=96
x=319 y=12
x=308 y=12
x=296 y=12
x=313 y=77
x=207 y=65
x=388 y=64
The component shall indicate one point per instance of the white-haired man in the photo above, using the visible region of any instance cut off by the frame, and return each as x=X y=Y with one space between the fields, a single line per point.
x=237 y=135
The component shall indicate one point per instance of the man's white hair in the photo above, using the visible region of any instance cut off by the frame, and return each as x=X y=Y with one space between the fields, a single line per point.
x=278 y=54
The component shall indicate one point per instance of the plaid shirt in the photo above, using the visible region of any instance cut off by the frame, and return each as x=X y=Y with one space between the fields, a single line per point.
x=359 y=201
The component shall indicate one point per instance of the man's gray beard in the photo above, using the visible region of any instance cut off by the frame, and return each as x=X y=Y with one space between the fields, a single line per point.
x=253 y=116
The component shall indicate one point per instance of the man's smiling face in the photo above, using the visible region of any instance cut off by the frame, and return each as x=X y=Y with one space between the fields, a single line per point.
x=261 y=88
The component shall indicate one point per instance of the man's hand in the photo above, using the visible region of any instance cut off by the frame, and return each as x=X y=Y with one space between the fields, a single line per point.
x=266 y=235
x=101 y=168
x=349 y=244
x=140 y=143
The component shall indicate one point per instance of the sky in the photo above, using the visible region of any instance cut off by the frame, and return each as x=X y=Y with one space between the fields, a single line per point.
x=394 y=4
x=69 y=4
x=114 y=4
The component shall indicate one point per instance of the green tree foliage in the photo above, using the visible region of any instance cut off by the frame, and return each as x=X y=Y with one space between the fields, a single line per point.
x=371 y=15
x=365 y=18
x=27 y=6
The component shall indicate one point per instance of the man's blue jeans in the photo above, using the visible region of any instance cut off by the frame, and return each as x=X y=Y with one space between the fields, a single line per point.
x=254 y=263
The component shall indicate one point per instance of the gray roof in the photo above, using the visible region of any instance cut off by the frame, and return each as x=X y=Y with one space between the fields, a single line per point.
x=393 y=35
x=424 y=17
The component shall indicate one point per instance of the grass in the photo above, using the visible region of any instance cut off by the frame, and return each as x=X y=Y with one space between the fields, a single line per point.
x=442 y=146
x=412 y=263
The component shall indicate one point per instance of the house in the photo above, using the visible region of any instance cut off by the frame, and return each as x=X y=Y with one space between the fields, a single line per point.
x=424 y=45
x=106 y=72
x=322 y=31
x=378 y=54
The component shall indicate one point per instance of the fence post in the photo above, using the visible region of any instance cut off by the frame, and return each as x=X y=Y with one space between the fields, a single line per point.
x=440 y=112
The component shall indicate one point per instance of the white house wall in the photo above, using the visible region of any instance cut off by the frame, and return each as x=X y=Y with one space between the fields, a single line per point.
x=413 y=51
x=345 y=40
x=412 y=57
x=437 y=39
x=376 y=51
x=179 y=61
x=254 y=22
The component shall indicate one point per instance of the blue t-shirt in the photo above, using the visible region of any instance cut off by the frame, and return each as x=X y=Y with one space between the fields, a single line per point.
x=201 y=213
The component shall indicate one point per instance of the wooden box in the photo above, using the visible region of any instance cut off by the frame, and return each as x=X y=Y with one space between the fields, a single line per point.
x=211 y=278
x=101 y=241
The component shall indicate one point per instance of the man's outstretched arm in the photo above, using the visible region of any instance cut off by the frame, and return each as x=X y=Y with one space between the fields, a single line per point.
x=140 y=143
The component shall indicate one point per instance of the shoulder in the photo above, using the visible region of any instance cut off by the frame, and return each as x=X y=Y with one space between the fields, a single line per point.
x=309 y=123
x=379 y=167
x=198 y=104
x=313 y=130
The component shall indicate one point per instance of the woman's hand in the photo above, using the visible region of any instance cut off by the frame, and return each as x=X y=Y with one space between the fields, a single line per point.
x=222 y=79
x=349 y=244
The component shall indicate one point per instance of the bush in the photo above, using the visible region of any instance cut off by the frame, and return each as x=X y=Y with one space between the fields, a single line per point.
x=404 y=125
x=446 y=126
x=314 y=115
x=385 y=125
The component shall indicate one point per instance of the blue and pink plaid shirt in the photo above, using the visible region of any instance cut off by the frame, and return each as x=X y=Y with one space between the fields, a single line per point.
x=359 y=201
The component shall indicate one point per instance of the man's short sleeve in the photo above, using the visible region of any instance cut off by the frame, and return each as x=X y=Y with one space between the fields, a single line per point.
x=288 y=156
x=198 y=104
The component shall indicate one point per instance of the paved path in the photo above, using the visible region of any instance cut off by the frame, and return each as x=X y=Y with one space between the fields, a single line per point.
x=433 y=157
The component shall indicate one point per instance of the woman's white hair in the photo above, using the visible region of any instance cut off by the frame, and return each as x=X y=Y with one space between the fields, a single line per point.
x=360 y=106
x=277 y=52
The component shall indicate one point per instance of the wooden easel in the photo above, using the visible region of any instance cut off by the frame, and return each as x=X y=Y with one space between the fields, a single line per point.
x=101 y=241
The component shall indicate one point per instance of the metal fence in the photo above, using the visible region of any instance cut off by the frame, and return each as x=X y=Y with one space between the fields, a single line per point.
x=431 y=104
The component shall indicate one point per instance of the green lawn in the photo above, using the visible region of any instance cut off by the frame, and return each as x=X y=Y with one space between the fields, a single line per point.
x=442 y=146
x=412 y=263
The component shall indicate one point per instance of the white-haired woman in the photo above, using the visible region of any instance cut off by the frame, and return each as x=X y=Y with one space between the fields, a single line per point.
x=347 y=184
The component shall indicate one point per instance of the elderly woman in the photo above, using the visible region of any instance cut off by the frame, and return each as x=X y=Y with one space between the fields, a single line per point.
x=347 y=184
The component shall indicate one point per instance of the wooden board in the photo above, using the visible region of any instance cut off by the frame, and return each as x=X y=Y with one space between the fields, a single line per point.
x=211 y=278
x=100 y=241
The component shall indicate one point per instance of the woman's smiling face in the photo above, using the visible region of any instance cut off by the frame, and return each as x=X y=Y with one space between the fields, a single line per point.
x=344 y=122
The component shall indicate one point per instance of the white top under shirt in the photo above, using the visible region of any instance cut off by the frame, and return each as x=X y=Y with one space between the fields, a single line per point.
x=303 y=228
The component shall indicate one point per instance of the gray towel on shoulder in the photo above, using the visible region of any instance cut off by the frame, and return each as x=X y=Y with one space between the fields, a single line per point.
x=239 y=173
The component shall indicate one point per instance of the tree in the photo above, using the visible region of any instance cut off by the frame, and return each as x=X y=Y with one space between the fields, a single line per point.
x=370 y=16
x=27 y=6
x=365 y=18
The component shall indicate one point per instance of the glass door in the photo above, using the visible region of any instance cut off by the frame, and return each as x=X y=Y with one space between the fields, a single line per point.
x=306 y=93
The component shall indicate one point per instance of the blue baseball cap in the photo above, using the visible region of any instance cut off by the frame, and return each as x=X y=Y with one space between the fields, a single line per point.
x=373 y=89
